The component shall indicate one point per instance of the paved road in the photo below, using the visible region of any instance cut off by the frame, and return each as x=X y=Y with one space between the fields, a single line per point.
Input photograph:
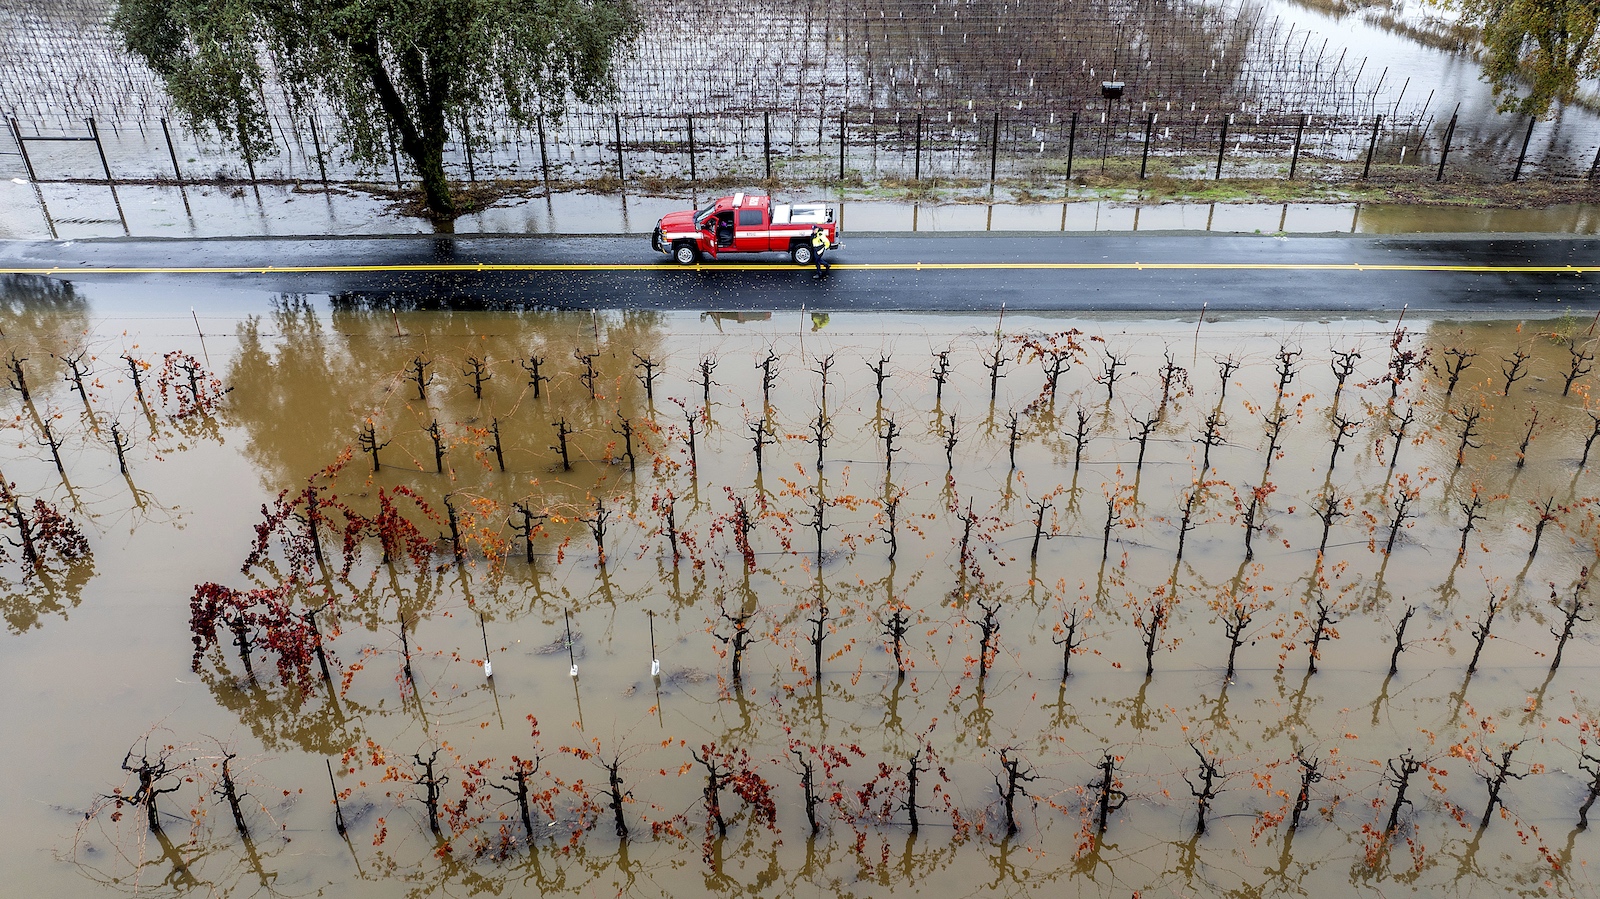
x=950 y=272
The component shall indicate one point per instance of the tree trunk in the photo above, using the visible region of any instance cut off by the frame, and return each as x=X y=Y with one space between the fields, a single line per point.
x=424 y=146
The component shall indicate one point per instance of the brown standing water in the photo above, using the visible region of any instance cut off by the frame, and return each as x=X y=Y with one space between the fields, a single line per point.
x=98 y=653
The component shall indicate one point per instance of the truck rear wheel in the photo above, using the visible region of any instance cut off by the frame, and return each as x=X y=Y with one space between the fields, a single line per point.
x=684 y=253
x=800 y=253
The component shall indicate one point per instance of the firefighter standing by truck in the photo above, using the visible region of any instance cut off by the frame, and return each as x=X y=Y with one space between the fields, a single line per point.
x=820 y=245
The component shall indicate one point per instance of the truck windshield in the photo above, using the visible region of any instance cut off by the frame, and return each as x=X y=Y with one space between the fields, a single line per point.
x=700 y=214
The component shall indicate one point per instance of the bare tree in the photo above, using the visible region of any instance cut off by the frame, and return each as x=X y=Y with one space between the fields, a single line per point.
x=1108 y=789
x=1459 y=361
x=1343 y=365
x=1468 y=419
x=418 y=374
x=1400 y=772
x=1527 y=438
x=1495 y=779
x=737 y=641
x=941 y=373
x=1512 y=369
x=1571 y=616
x=1480 y=631
x=880 y=373
x=1110 y=375
x=989 y=635
x=769 y=376
x=1211 y=775
x=1580 y=365
x=1017 y=777
x=153 y=775
x=708 y=364
x=1309 y=774
x=477 y=374
x=1343 y=429
x=1287 y=365
x=1321 y=629
x=437 y=436
x=647 y=374
x=1400 y=640
x=993 y=363
x=367 y=439
x=531 y=366
x=1069 y=639
x=588 y=376
x=563 y=431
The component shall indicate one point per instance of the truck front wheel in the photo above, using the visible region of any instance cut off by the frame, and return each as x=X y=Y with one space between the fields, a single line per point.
x=684 y=253
x=800 y=253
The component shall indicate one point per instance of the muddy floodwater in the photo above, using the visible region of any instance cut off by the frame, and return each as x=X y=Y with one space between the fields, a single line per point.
x=1290 y=493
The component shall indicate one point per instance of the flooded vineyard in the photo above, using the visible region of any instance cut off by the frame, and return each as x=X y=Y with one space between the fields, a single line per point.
x=866 y=605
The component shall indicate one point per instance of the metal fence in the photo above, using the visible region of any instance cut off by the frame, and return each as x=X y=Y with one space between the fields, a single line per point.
x=951 y=145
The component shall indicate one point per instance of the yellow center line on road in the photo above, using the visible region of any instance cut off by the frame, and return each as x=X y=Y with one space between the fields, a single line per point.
x=842 y=266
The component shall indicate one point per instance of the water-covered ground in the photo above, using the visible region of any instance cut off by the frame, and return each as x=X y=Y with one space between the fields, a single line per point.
x=1293 y=490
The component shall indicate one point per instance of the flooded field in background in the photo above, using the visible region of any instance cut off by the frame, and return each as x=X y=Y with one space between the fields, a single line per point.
x=935 y=605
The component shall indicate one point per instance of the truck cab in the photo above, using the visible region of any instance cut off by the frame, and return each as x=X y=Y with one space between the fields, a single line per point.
x=744 y=223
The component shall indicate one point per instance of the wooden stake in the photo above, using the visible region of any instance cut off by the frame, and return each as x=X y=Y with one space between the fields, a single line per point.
x=655 y=663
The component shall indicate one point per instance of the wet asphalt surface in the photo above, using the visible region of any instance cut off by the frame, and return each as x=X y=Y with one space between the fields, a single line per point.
x=777 y=284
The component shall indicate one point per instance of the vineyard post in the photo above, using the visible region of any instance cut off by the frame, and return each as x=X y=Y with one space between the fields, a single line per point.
x=1449 y=133
x=622 y=175
x=1372 y=146
x=655 y=661
x=177 y=173
x=1294 y=156
x=1222 y=145
x=1144 y=159
x=1526 y=137
x=693 y=180
x=1072 y=141
x=483 y=630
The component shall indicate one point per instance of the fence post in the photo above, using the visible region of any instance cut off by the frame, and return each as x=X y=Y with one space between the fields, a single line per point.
x=616 y=122
x=1594 y=165
x=466 y=144
x=1517 y=172
x=544 y=160
x=766 y=141
x=95 y=133
x=1222 y=145
x=176 y=172
x=693 y=176
x=316 y=144
x=841 y=143
x=1372 y=145
x=917 y=170
x=394 y=156
x=994 y=147
x=1144 y=162
x=1449 y=132
x=1294 y=157
x=16 y=132
x=1072 y=140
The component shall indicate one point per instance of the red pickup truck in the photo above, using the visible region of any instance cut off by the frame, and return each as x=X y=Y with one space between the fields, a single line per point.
x=744 y=223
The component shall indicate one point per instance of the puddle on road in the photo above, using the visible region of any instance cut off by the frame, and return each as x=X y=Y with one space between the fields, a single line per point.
x=99 y=652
